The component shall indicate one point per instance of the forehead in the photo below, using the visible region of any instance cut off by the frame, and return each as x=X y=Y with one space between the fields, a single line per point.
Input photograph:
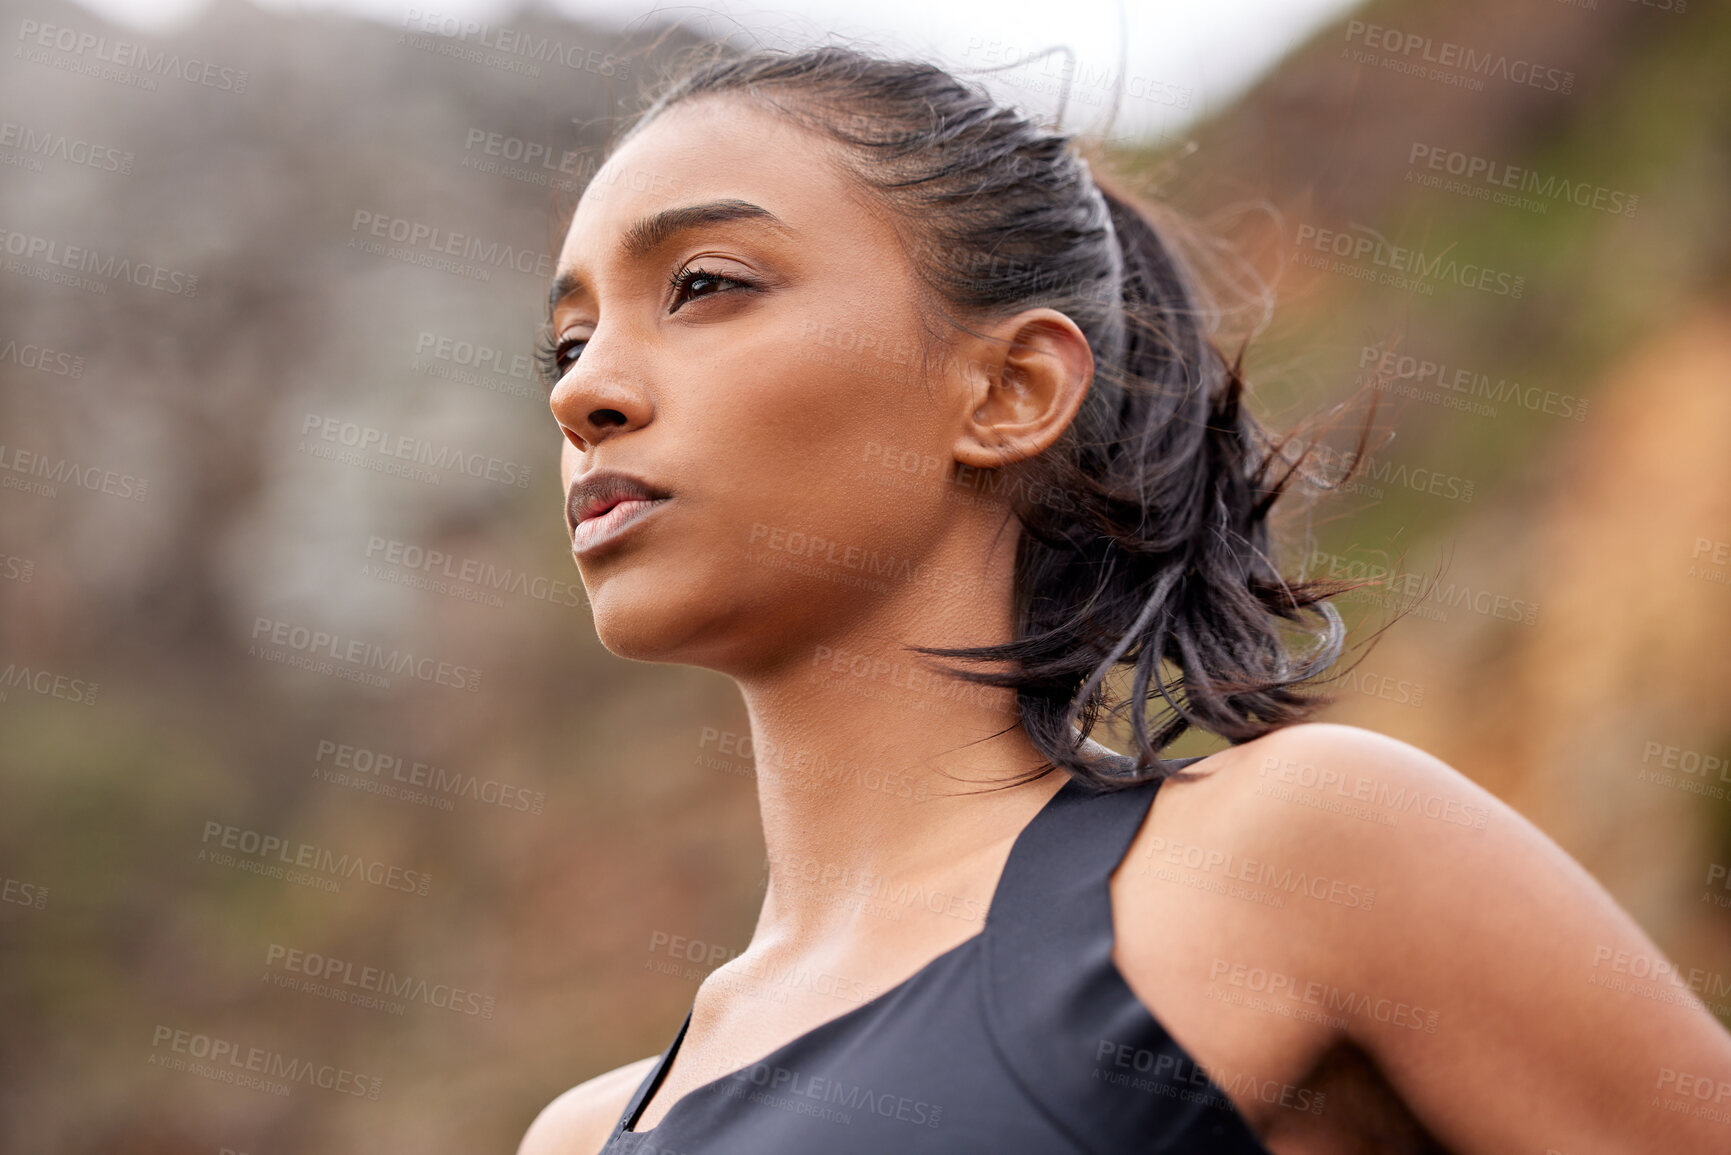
x=710 y=148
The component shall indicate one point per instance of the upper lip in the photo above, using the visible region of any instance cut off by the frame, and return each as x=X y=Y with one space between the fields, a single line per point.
x=595 y=493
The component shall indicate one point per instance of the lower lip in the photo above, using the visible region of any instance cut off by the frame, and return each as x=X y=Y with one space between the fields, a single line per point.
x=593 y=532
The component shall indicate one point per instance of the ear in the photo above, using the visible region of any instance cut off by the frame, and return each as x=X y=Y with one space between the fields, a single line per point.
x=1028 y=375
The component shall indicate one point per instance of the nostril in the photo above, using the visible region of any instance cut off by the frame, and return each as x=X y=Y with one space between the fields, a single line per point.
x=606 y=417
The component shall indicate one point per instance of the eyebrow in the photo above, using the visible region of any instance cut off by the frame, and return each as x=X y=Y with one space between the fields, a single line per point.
x=652 y=232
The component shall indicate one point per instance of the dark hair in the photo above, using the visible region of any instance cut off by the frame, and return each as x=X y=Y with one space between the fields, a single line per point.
x=1146 y=537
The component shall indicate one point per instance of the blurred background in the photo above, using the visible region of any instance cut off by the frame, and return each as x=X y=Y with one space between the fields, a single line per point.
x=309 y=755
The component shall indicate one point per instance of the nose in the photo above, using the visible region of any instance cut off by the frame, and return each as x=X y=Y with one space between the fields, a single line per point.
x=595 y=401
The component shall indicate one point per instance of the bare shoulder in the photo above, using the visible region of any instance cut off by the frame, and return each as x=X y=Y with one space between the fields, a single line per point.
x=1367 y=805
x=1249 y=897
x=1339 y=761
x=579 y=1121
x=1480 y=966
x=1359 y=797
x=1338 y=801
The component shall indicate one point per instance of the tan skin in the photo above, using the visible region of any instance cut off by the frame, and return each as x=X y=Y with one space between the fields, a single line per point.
x=734 y=398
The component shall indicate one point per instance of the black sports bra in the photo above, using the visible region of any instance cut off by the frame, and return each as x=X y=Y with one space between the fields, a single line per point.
x=1022 y=1040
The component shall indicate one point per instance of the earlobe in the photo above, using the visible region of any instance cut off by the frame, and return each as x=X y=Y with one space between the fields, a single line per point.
x=1035 y=369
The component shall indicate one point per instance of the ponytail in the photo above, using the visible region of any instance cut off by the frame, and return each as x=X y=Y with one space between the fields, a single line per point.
x=1168 y=559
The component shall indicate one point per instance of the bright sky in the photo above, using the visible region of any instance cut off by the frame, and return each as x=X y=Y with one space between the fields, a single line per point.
x=1182 y=58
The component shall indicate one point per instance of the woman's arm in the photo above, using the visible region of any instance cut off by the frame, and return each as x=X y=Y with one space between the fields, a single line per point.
x=1523 y=1028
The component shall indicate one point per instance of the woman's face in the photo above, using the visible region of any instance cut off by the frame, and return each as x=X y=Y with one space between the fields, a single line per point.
x=757 y=361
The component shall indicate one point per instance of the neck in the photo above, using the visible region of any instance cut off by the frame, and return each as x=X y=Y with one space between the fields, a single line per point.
x=879 y=778
x=872 y=781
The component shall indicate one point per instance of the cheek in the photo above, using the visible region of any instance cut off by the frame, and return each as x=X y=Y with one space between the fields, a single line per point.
x=569 y=459
x=808 y=430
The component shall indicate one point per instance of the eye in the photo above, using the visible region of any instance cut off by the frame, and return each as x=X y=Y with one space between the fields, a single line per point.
x=554 y=357
x=690 y=282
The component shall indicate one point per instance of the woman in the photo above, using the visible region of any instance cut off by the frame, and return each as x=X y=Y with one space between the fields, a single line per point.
x=857 y=371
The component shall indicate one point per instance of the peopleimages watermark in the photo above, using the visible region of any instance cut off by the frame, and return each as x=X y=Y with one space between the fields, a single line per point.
x=1499 y=182
x=807 y=769
x=1447 y=61
x=515 y=45
x=1361 y=796
x=1258 y=988
x=1436 y=596
x=898 y=895
x=346 y=765
x=47 y=683
x=465 y=578
x=42 y=359
x=760 y=978
x=20 y=893
x=1166 y=1073
x=1691 y=771
x=693 y=959
x=1655 y=977
x=872 y=676
x=367 y=987
x=93 y=55
x=441 y=249
x=477 y=365
x=1718 y=874
x=1372 y=474
x=47 y=473
x=31 y=146
x=1700 y=1094
x=1457 y=387
x=405 y=447
x=768 y=1084
x=911 y=470
x=528 y=161
x=1672 y=6
x=679 y=949
x=259 y=1068
x=1716 y=567
x=307 y=644
x=1397 y=266
x=1280 y=880
x=1384 y=687
x=56 y=255
x=821 y=556
x=277 y=857
x=859 y=342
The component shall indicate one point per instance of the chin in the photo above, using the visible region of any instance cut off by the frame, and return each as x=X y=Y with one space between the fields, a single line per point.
x=634 y=631
x=645 y=622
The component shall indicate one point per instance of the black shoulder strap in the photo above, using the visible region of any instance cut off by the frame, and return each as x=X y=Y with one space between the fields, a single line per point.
x=1060 y=1010
x=650 y=1081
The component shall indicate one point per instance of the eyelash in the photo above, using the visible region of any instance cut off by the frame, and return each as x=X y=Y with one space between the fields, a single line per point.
x=550 y=352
